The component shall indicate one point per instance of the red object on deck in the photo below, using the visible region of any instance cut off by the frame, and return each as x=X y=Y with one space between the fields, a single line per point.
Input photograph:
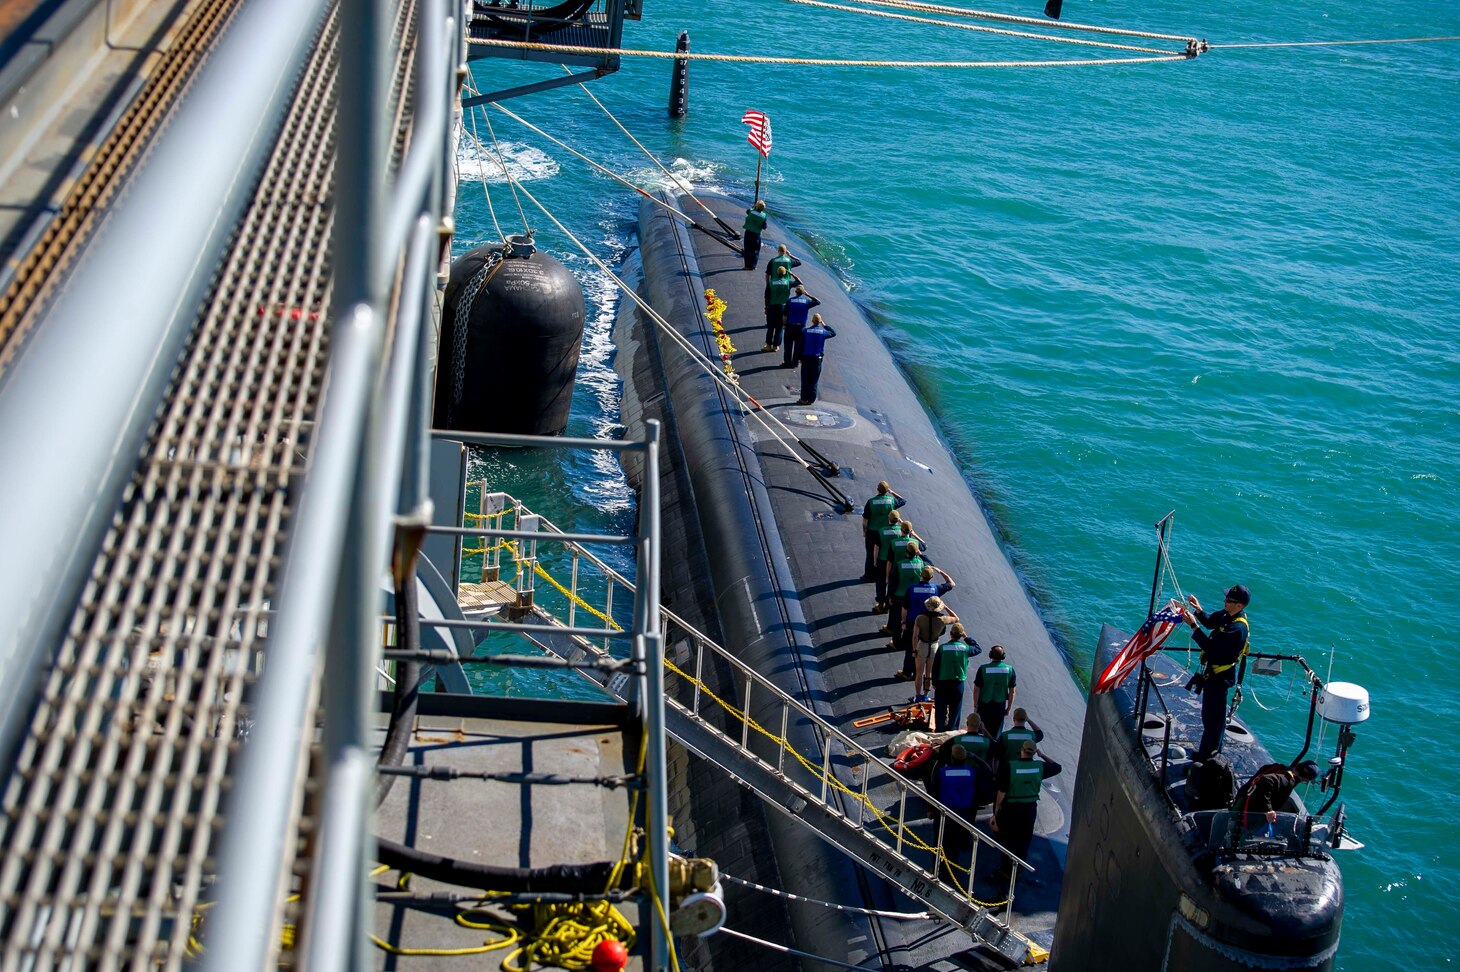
x=610 y=955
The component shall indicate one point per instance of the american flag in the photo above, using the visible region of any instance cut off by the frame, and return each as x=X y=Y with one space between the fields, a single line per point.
x=760 y=130
x=1142 y=645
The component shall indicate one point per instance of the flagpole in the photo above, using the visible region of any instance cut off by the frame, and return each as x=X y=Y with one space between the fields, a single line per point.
x=759 y=158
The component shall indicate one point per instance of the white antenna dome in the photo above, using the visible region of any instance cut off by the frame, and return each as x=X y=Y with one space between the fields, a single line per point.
x=1344 y=703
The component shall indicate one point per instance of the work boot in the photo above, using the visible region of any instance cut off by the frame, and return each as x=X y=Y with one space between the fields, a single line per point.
x=879 y=608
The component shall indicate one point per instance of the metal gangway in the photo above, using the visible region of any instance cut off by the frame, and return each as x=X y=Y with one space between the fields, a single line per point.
x=738 y=720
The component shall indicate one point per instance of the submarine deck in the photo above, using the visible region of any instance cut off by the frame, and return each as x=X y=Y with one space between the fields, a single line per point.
x=869 y=421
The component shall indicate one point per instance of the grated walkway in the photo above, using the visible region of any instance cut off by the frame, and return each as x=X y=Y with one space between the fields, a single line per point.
x=110 y=811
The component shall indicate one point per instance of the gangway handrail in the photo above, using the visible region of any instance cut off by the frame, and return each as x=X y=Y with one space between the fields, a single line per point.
x=760 y=680
x=759 y=686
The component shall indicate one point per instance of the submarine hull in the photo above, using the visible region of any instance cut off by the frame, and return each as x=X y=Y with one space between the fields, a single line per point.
x=769 y=562
x=1143 y=891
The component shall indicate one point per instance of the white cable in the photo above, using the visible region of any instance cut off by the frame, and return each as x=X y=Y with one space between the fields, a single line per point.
x=902 y=915
x=601 y=168
x=672 y=177
x=482 y=149
x=787 y=950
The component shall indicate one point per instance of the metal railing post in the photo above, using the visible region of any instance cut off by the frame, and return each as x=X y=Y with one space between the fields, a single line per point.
x=656 y=766
x=339 y=913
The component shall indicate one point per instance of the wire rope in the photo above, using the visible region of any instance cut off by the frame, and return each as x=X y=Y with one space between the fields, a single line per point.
x=1029 y=21
x=788 y=950
x=601 y=168
x=740 y=395
x=901 y=915
x=811 y=61
x=986 y=30
x=502 y=163
x=476 y=140
x=1337 y=43
x=650 y=155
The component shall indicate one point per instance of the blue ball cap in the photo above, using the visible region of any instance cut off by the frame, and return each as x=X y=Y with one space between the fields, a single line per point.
x=1240 y=594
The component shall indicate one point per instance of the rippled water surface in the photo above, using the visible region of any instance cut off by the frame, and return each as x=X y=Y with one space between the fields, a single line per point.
x=1225 y=286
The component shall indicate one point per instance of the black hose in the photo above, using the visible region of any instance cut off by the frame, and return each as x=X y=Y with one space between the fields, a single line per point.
x=561 y=878
x=407 y=673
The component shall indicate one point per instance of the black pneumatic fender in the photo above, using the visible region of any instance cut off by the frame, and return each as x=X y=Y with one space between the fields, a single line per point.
x=506 y=361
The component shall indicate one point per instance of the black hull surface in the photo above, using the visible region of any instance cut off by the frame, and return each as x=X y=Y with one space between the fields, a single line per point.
x=1142 y=890
x=757 y=554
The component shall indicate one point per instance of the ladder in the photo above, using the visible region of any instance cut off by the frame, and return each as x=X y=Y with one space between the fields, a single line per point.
x=724 y=712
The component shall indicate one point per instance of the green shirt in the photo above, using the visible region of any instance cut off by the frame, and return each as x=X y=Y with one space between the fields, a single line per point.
x=754 y=221
x=1011 y=743
x=994 y=680
x=1025 y=777
x=974 y=743
x=780 y=261
x=909 y=572
x=778 y=290
x=886 y=538
x=899 y=548
x=951 y=664
x=879 y=508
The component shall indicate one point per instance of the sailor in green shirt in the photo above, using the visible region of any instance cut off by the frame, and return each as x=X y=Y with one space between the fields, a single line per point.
x=995 y=680
x=886 y=537
x=974 y=739
x=755 y=220
x=782 y=258
x=876 y=514
x=1017 y=803
x=906 y=570
x=777 y=292
x=1023 y=730
x=950 y=675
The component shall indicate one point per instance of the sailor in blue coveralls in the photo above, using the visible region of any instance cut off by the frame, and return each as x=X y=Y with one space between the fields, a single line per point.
x=798 y=308
x=813 y=349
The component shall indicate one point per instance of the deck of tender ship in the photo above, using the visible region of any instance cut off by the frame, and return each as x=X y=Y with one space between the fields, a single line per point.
x=868 y=420
x=494 y=822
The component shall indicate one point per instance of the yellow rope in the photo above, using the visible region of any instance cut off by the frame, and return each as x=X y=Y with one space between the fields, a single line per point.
x=809 y=61
x=980 y=28
x=485 y=516
x=885 y=819
x=541 y=571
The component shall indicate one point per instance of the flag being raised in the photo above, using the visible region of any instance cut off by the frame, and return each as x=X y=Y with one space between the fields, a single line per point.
x=760 y=130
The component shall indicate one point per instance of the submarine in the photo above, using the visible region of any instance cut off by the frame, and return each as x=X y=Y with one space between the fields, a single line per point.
x=765 y=521
x=761 y=506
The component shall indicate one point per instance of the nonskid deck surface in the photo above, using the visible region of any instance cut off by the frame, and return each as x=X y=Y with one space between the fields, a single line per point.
x=497 y=823
x=868 y=421
x=113 y=806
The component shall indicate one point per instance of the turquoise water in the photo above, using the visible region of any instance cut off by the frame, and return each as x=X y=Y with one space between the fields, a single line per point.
x=1223 y=286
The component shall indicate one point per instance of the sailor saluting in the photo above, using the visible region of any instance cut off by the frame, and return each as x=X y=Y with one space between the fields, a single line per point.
x=1221 y=649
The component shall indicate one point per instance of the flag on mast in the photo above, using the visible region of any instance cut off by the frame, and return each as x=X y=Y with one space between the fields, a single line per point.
x=1142 y=645
x=760 y=130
